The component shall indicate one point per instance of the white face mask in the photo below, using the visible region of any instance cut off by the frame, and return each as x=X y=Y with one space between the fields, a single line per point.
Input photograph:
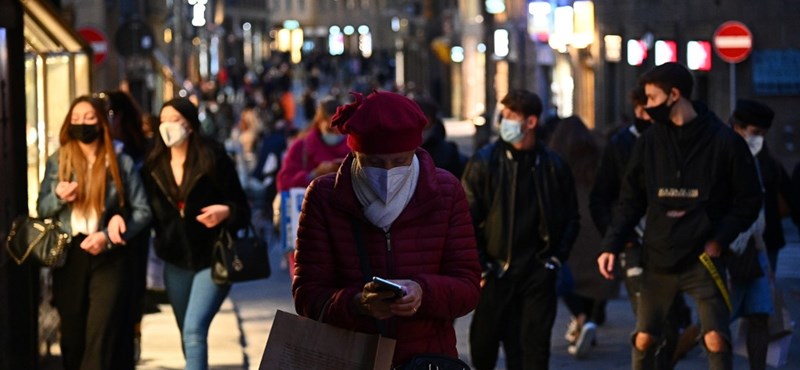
x=331 y=138
x=511 y=131
x=173 y=133
x=385 y=183
x=755 y=143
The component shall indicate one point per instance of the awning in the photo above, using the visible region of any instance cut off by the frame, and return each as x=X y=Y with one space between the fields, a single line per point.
x=45 y=31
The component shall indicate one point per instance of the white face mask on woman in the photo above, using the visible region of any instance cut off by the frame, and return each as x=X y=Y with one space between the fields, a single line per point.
x=173 y=133
x=386 y=183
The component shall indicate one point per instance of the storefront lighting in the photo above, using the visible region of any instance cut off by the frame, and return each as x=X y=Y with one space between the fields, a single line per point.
x=334 y=30
x=495 y=6
x=365 y=45
x=457 y=54
x=539 y=20
x=613 y=45
x=698 y=55
x=167 y=35
x=637 y=52
x=363 y=29
x=666 y=52
x=395 y=24
x=336 y=43
x=584 y=24
x=246 y=26
x=501 y=43
x=348 y=30
x=297 y=45
x=563 y=28
x=291 y=24
x=198 y=12
x=481 y=48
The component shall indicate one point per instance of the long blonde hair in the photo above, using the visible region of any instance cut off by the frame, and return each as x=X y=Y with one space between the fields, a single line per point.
x=71 y=161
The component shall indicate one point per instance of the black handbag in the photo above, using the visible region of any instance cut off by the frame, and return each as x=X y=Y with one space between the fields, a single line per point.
x=43 y=239
x=435 y=362
x=239 y=259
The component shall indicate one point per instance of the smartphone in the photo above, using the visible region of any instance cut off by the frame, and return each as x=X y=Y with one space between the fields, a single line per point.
x=397 y=289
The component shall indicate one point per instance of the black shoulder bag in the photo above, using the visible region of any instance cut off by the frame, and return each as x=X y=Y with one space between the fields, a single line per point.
x=424 y=361
x=240 y=259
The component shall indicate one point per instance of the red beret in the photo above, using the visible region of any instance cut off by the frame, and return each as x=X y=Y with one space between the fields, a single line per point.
x=381 y=123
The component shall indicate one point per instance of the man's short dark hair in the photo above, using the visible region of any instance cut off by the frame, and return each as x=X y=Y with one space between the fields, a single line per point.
x=637 y=96
x=523 y=101
x=669 y=75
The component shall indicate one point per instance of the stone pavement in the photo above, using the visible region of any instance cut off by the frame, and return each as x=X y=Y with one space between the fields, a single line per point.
x=240 y=331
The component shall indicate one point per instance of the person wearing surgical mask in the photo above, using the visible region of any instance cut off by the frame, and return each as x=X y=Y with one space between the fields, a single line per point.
x=752 y=300
x=752 y=120
x=317 y=151
x=388 y=212
x=194 y=192
x=524 y=209
x=97 y=196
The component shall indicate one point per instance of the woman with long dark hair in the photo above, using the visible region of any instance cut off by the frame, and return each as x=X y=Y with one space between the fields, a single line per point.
x=194 y=192
x=99 y=199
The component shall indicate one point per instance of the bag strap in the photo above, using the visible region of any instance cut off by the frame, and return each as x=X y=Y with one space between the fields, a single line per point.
x=366 y=269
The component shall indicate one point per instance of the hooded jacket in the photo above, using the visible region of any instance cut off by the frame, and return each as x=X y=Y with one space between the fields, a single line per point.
x=431 y=242
x=489 y=180
x=693 y=183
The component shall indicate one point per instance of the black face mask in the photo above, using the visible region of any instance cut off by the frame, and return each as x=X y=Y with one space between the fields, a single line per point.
x=85 y=133
x=660 y=113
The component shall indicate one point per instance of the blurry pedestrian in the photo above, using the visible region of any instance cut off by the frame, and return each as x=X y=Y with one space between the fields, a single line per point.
x=603 y=199
x=194 y=192
x=694 y=179
x=525 y=214
x=445 y=153
x=586 y=301
x=126 y=123
x=752 y=120
x=317 y=151
x=749 y=268
x=387 y=212
x=99 y=199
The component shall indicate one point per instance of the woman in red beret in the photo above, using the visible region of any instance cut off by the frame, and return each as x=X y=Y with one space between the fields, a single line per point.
x=412 y=223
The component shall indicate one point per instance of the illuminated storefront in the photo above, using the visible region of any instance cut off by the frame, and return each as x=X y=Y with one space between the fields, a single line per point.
x=57 y=70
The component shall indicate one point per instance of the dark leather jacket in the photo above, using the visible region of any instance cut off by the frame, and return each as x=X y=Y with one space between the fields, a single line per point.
x=489 y=182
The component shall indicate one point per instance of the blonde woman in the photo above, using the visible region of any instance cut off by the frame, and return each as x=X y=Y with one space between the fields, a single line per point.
x=99 y=199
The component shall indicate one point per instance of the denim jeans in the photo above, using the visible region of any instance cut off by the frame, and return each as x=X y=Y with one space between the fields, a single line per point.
x=195 y=299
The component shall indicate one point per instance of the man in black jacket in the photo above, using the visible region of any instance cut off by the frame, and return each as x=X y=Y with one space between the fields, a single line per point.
x=525 y=213
x=694 y=179
x=602 y=200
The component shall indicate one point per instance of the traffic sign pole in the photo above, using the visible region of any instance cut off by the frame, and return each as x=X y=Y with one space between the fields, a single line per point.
x=733 y=42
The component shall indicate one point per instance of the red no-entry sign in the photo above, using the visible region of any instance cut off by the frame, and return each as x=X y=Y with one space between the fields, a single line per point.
x=733 y=41
x=97 y=40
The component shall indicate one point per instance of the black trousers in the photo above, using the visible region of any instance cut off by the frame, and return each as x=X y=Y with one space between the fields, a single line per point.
x=518 y=312
x=90 y=300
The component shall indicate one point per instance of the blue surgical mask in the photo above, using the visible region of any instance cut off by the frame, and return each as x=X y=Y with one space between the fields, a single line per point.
x=331 y=138
x=511 y=131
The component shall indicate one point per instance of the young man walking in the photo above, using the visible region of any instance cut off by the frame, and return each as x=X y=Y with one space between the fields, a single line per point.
x=525 y=214
x=694 y=180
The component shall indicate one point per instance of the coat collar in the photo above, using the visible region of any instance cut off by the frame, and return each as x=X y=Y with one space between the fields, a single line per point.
x=422 y=201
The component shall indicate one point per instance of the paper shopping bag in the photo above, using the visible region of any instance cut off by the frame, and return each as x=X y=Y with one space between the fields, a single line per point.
x=299 y=343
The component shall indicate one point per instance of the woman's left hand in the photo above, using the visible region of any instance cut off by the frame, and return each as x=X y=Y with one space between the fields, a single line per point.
x=409 y=303
x=95 y=243
x=116 y=227
x=213 y=215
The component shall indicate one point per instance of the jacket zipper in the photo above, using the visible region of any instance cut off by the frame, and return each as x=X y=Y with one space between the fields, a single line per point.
x=507 y=263
x=389 y=257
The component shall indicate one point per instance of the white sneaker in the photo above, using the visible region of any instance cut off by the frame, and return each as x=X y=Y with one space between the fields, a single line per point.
x=585 y=339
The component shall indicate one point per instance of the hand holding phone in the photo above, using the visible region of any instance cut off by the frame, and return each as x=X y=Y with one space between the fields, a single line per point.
x=386 y=285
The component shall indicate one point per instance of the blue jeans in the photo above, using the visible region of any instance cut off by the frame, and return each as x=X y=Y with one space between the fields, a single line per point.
x=195 y=299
